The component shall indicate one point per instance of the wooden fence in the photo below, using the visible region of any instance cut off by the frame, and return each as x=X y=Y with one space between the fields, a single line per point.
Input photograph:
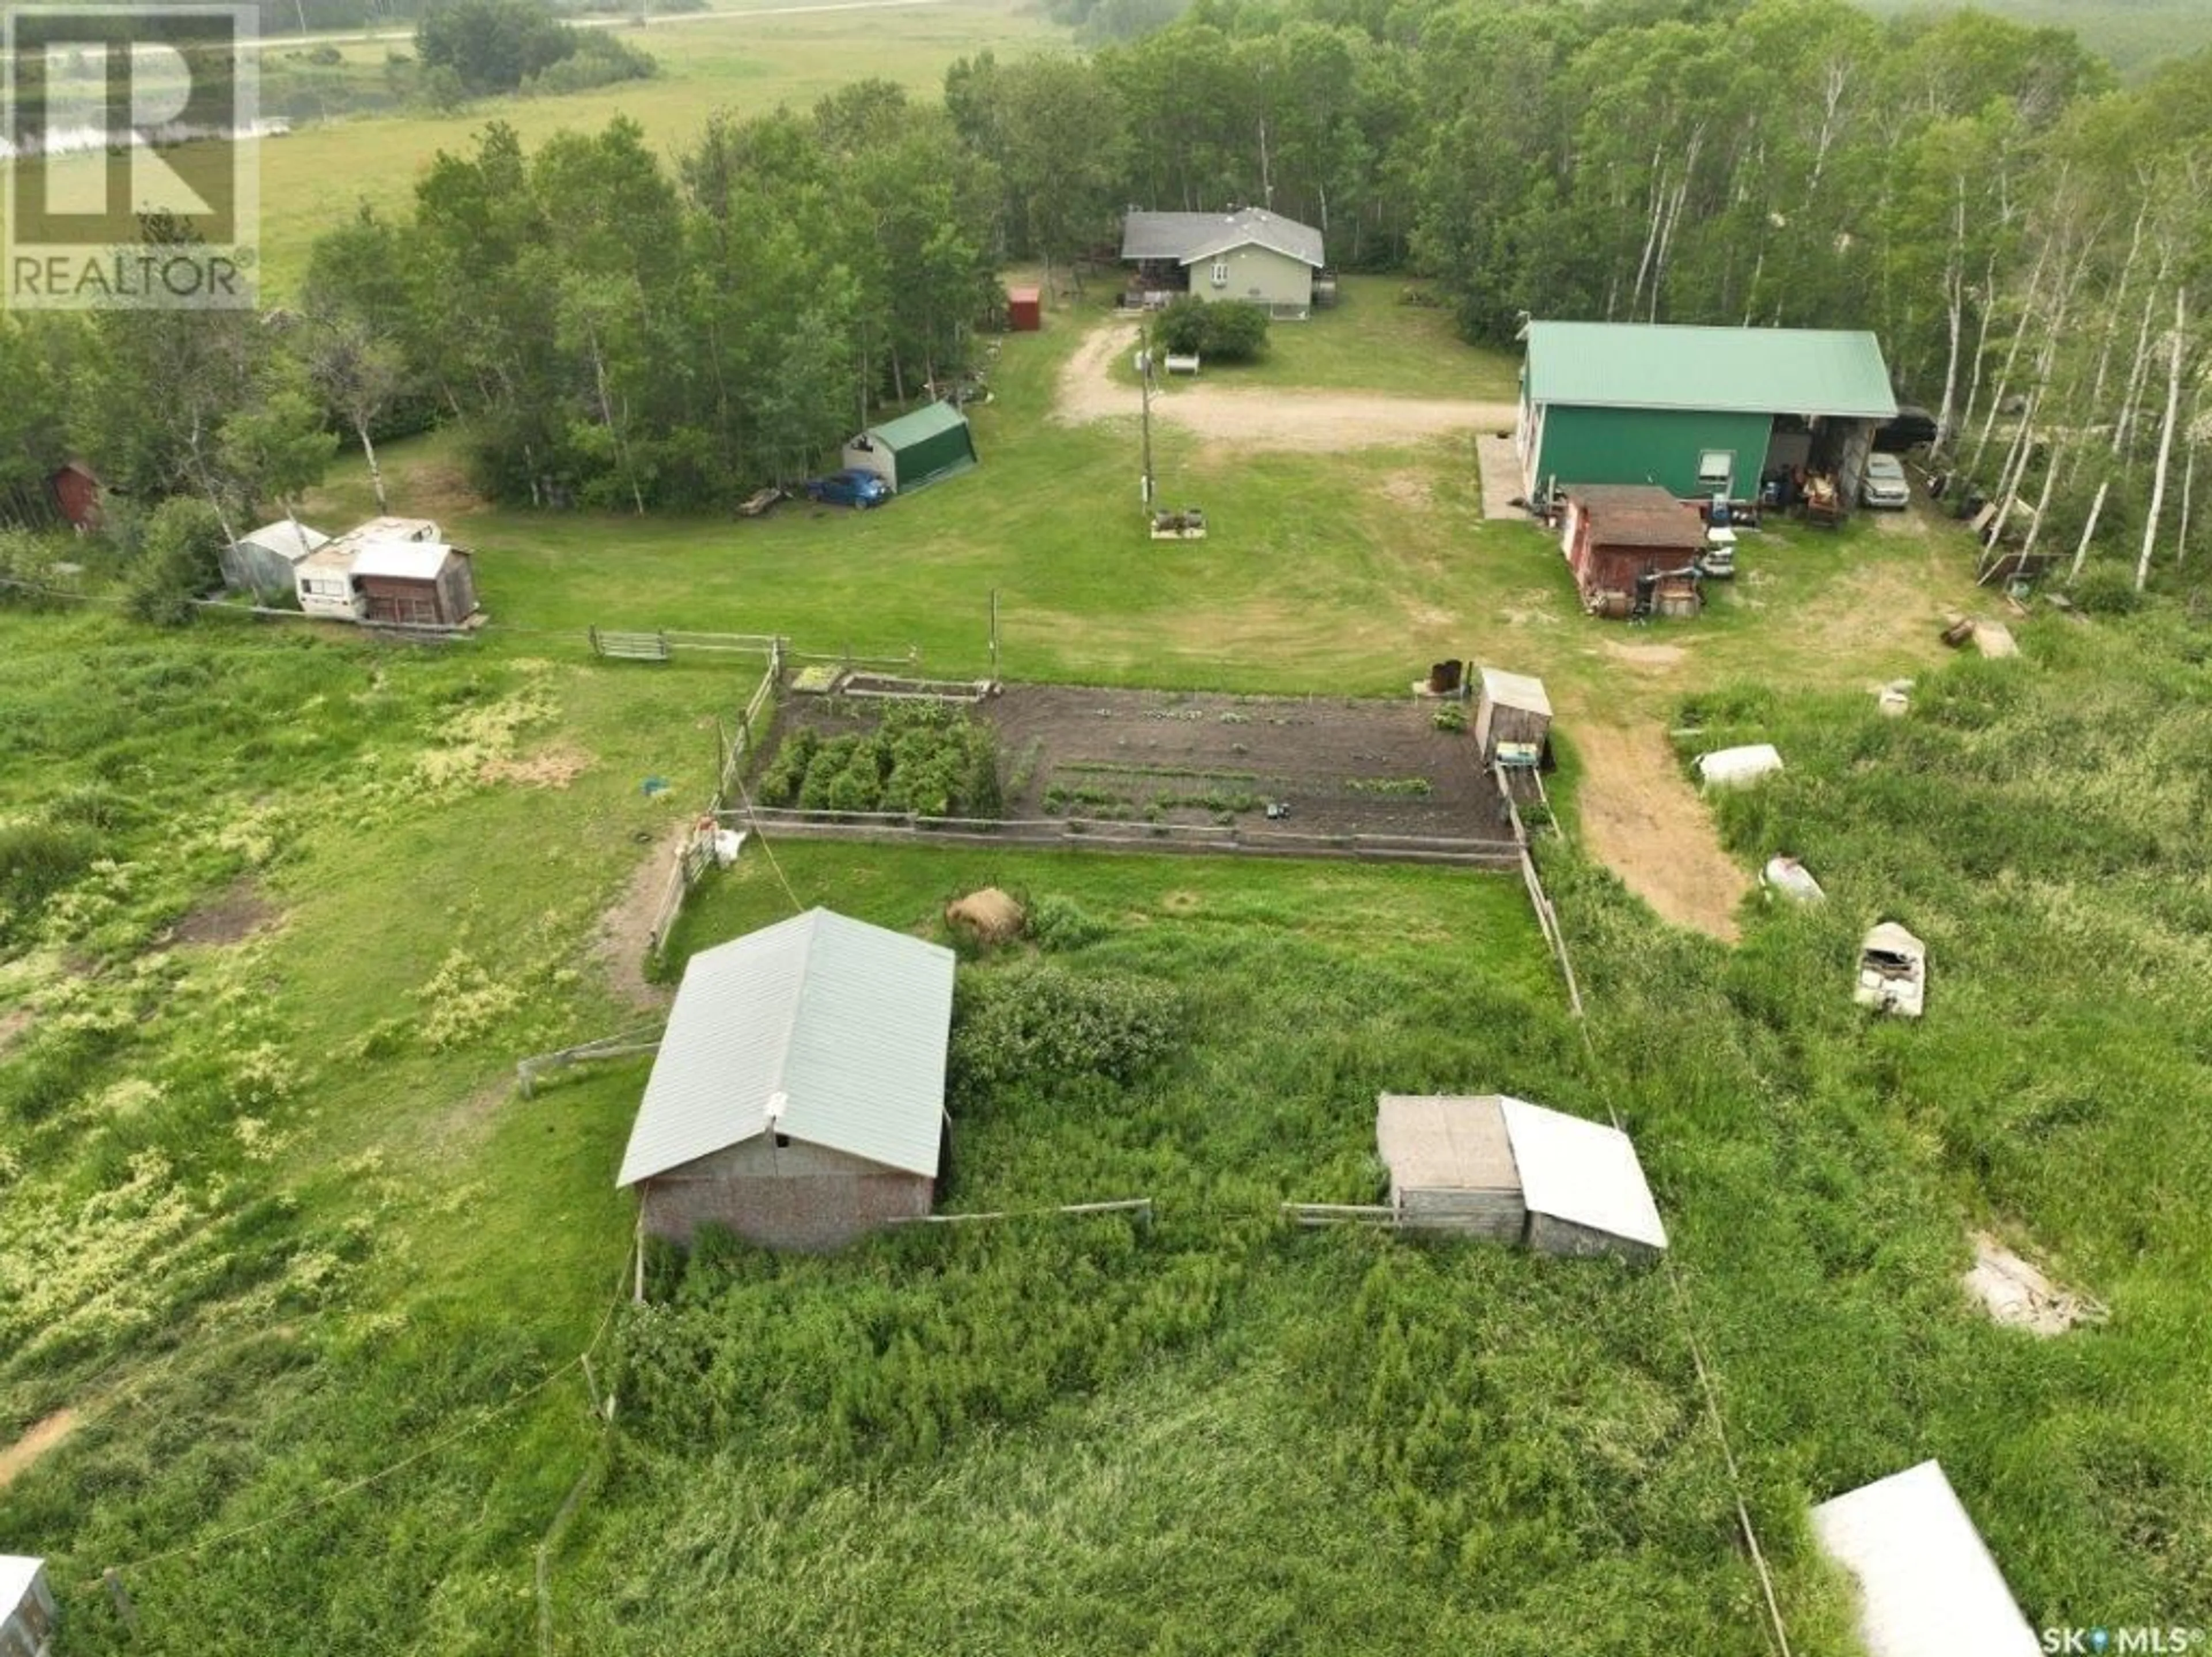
x=526 y=1070
x=1548 y=918
x=1096 y=834
x=660 y=644
x=1312 y=1215
x=1140 y=1206
x=697 y=852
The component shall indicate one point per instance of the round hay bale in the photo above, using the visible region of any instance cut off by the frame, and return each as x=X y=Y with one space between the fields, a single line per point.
x=990 y=915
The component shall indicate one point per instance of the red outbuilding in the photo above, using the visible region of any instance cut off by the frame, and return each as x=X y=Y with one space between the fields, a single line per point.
x=1024 y=310
x=1633 y=547
x=77 y=495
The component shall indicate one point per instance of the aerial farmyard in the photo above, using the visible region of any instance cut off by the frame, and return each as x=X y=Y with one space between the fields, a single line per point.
x=922 y=826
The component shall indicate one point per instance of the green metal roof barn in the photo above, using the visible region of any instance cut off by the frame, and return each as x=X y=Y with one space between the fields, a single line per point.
x=1698 y=412
x=933 y=442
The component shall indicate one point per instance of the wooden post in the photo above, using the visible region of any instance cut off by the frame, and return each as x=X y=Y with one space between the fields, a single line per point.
x=113 y=1580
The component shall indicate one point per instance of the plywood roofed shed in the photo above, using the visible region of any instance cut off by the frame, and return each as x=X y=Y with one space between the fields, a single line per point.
x=1629 y=543
x=1494 y=1166
x=1927 y=1586
x=797 y=1098
x=1451 y=1165
x=1512 y=708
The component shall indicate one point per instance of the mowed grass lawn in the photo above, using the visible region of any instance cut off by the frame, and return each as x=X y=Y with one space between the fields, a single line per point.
x=1348 y=571
x=1383 y=334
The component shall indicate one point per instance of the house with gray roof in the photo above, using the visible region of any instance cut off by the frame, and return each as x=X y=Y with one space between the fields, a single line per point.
x=1259 y=257
x=798 y=1099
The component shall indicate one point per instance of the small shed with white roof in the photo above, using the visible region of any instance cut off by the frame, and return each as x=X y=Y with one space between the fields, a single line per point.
x=1493 y=1166
x=1928 y=1586
x=28 y=1612
x=798 y=1099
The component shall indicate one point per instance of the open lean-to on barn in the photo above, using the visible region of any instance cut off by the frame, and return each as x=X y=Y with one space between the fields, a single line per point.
x=798 y=1099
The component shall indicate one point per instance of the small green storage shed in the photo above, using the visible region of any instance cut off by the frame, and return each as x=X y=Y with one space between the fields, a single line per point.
x=1698 y=412
x=933 y=442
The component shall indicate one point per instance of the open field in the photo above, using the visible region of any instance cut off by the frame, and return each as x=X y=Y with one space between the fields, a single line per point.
x=317 y=178
x=280 y=906
x=2135 y=36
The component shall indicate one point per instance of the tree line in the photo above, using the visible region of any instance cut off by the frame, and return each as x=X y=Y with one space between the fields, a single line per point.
x=2028 y=240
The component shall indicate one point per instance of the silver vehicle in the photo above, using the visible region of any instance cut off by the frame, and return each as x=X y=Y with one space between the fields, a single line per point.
x=1884 y=483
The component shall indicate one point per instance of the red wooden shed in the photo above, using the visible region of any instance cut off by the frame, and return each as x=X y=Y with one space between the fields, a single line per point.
x=77 y=495
x=1024 y=310
x=1632 y=546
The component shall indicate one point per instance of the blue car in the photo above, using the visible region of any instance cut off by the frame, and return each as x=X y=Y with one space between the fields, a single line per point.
x=852 y=487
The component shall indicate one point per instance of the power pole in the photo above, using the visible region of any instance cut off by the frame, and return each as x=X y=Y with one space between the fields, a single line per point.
x=1144 y=378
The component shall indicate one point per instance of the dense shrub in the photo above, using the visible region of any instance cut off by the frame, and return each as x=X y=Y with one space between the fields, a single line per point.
x=1228 y=331
x=181 y=559
x=492 y=46
x=1035 y=1024
x=599 y=59
x=2105 y=589
x=1061 y=923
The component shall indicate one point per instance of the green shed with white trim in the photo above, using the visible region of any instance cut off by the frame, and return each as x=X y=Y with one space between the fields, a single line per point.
x=933 y=442
x=1698 y=412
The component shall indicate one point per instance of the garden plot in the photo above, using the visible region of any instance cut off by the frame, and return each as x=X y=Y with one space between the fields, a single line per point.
x=1268 y=773
x=1339 y=766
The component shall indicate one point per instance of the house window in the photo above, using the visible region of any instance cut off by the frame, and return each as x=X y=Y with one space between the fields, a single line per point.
x=1716 y=471
x=1221 y=273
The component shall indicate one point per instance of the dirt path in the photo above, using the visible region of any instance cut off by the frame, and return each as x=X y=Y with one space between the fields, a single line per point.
x=1317 y=422
x=43 y=1436
x=626 y=929
x=1643 y=820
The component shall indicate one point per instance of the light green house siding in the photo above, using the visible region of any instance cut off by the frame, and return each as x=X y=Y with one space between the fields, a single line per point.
x=1648 y=446
x=1257 y=275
